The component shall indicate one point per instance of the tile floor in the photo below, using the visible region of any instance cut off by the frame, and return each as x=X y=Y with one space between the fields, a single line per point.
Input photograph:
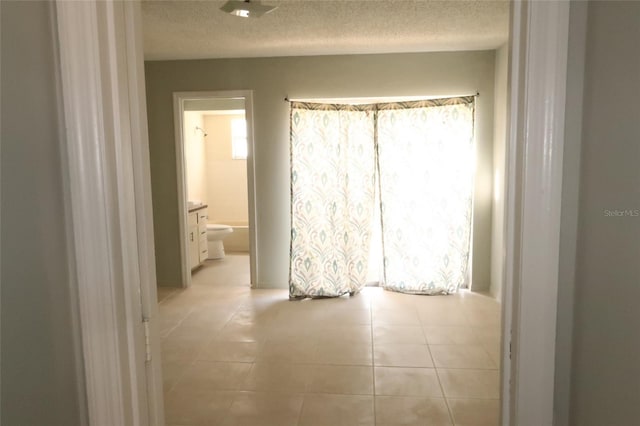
x=235 y=356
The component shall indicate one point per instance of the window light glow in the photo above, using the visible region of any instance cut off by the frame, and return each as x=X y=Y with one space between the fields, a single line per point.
x=239 y=139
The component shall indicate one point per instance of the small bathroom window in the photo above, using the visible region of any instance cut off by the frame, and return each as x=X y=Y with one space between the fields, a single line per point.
x=239 y=139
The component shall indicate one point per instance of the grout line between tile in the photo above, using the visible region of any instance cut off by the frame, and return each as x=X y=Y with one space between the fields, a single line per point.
x=373 y=363
x=444 y=396
x=446 y=400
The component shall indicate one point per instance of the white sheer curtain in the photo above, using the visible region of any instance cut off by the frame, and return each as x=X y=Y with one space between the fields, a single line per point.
x=426 y=165
x=332 y=198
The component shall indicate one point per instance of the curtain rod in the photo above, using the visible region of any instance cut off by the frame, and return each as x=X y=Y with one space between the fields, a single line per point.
x=477 y=94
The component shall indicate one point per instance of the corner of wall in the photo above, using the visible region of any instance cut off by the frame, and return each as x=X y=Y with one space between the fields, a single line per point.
x=499 y=170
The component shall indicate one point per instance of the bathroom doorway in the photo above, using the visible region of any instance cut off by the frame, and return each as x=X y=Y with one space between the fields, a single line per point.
x=215 y=168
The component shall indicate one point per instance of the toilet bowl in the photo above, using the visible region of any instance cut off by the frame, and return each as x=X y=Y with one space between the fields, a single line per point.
x=215 y=234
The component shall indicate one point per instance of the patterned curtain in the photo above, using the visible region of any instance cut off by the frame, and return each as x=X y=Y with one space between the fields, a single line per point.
x=332 y=198
x=426 y=164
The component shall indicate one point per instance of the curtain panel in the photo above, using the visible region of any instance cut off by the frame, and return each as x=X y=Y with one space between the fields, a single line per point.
x=332 y=198
x=422 y=155
x=426 y=166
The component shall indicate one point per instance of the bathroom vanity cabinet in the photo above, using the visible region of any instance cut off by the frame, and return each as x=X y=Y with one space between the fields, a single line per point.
x=197 y=236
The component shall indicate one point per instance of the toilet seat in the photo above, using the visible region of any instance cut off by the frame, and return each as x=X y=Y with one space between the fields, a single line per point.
x=218 y=227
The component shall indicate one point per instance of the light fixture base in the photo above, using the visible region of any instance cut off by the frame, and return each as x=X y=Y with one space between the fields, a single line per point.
x=246 y=9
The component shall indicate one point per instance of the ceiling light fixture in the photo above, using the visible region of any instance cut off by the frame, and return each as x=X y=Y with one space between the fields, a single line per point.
x=246 y=9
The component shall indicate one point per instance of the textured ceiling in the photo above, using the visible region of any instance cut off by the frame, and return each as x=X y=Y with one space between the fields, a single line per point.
x=198 y=29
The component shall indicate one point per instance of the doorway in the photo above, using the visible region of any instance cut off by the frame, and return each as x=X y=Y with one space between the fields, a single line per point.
x=531 y=389
x=215 y=173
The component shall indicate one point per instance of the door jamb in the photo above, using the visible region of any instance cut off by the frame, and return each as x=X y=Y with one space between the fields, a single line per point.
x=109 y=203
x=537 y=89
x=178 y=118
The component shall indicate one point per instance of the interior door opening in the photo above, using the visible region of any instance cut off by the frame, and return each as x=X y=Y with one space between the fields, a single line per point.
x=214 y=147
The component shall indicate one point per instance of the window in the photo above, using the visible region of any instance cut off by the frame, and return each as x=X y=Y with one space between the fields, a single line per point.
x=239 y=139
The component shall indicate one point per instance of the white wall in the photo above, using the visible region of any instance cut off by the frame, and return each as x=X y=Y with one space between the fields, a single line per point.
x=271 y=79
x=499 y=170
x=40 y=346
x=194 y=156
x=605 y=386
x=226 y=178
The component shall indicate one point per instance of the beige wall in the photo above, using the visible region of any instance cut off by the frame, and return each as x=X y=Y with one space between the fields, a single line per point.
x=605 y=384
x=271 y=79
x=195 y=156
x=226 y=178
x=499 y=170
x=41 y=381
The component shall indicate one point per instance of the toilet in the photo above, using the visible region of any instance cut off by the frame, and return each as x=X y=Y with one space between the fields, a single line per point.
x=215 y=234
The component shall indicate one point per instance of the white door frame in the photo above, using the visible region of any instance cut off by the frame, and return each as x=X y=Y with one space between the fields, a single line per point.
x=111 y=210
x=537 y=89
x=109 y=187
x=178 y=120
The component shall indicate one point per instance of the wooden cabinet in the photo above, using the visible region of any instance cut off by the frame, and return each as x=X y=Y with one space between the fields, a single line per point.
x=197 y=236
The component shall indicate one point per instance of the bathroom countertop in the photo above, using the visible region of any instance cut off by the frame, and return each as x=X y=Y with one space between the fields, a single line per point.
x=196 y=208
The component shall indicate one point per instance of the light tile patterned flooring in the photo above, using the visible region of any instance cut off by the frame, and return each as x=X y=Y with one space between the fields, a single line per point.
x=236 y=356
